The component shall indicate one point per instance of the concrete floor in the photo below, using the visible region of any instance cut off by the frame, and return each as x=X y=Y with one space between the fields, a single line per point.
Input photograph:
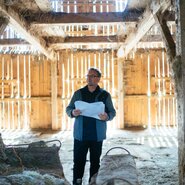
x=154 y=150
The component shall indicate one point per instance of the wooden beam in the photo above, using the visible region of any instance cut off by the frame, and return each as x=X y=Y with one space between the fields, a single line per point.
x=13 y=42
x=179 y=71
x=144 y=26
x=54 y=112
x=82 y=39
x=44 y=5
x=121 y=92
x=70 y=42
x=21 y=26
x=3 y=24
x=85 y=46
x=77 y=18
x=60 y=18
x=167 y=37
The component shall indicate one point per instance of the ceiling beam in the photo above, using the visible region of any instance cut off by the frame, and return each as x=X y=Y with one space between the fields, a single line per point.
x=78 y=40
x=144 y=26
x=44 y=5
x=82 y=39
x=21 y=26
x=76 y=18
x=59 y=18
x=13 y=42
x=89 y=45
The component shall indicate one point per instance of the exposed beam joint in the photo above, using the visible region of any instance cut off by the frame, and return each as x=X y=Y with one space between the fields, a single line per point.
x=145 y=24
x=21 y=26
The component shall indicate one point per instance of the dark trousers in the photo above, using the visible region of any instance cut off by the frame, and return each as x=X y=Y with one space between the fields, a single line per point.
x=80 y=152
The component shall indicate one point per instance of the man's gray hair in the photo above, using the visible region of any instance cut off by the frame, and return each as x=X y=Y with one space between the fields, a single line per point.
x=95 y=69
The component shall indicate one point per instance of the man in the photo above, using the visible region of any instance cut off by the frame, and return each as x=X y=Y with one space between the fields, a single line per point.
x=89 y=132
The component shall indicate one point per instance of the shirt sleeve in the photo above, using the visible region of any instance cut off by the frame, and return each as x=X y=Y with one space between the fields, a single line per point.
x=110 y=108
x=71 y=105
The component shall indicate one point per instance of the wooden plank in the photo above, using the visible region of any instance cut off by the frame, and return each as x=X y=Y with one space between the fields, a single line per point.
x=54 y=110
x=120 y=94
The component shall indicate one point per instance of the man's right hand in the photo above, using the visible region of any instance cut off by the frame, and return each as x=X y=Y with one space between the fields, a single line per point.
x=76 y=112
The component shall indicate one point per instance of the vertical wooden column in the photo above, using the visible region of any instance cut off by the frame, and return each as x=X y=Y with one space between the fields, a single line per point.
x=180 y=85
x=120 y=94
x=54 y=95
x=149 y=92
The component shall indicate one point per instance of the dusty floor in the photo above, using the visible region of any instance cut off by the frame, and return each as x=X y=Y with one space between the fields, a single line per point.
x=155 y=151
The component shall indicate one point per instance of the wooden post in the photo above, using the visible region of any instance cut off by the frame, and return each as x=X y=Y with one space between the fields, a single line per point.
x=180 y=85
x=54 y=95
x=149 y=92
x=120 y=94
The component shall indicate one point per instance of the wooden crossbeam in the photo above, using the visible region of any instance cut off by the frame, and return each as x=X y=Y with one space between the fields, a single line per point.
x=82 y=39
x=70 y=42
x=60 y=18
x=21 y=26
x=13 y=42
x=76 y=18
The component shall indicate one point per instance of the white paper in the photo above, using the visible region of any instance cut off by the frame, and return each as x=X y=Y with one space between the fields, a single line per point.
x=90 y=109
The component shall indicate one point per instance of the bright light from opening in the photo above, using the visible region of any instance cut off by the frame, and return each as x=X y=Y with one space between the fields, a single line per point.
x=120 y=52
x=121 y=5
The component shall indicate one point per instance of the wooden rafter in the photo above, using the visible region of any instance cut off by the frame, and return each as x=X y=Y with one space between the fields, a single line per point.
x=21 y=26
x=167 y=37
x=3 y=24
x=145 y=24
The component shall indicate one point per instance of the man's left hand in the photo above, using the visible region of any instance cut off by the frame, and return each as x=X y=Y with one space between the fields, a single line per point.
x=103 y=116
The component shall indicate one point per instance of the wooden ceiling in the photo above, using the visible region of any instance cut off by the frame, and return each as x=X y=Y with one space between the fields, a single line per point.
x=50 y=25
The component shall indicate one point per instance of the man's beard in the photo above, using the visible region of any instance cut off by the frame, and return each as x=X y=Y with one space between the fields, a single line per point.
x=90 y=84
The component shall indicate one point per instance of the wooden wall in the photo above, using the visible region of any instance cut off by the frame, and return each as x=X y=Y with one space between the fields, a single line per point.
x=149 y=90
x=140 y=85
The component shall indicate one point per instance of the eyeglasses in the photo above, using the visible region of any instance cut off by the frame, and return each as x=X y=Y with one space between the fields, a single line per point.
x=91 y=76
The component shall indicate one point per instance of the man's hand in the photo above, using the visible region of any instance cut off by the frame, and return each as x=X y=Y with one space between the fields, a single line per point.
x=76 y=112
x=104 y=116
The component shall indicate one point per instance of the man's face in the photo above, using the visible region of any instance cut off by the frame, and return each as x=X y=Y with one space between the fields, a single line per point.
x=92 y=78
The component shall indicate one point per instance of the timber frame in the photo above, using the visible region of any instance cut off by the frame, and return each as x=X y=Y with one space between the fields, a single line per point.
x=52 y=32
